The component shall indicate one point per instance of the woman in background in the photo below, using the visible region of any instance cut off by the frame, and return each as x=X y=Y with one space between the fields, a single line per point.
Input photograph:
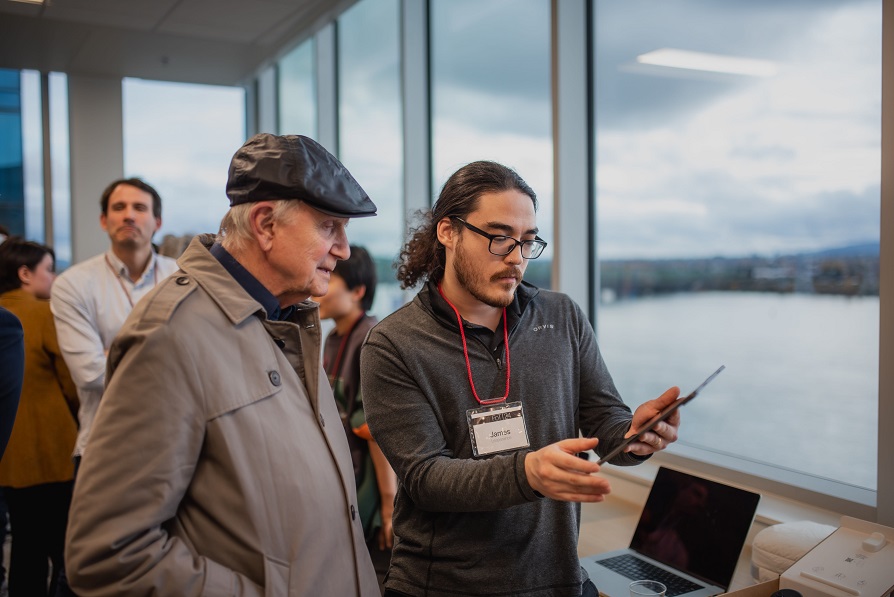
x=36 y=471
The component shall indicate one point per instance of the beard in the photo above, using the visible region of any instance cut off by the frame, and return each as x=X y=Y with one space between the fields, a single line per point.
x=476 y=283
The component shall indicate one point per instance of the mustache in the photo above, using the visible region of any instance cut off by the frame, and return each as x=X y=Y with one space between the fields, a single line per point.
x=512 y=272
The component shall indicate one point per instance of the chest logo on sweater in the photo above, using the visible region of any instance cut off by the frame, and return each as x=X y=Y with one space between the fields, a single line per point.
x=545 y=326
x=497 y=428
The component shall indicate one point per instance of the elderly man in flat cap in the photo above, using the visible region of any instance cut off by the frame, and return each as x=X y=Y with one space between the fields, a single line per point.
x=217 y=464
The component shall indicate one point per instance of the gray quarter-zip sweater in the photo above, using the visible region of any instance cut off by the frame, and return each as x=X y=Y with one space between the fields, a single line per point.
x=469 y=525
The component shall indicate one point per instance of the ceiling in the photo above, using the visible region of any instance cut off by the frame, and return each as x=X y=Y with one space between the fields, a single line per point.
x=223 y=42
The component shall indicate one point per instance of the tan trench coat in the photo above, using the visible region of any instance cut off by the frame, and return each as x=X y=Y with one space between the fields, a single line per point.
x=217 y=464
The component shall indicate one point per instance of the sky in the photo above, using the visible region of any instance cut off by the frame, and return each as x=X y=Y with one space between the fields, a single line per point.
x=741 y=165
x=687 y=165
x=180 y=138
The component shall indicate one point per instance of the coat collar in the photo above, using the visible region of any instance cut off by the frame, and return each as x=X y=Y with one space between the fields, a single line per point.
x=236 y=303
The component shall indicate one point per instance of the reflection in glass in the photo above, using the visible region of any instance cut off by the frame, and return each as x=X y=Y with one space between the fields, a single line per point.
x=490 y=71
x=297 y=92
x=370 y=133
x=180 y=138
x=739 y=221
x=12 y=181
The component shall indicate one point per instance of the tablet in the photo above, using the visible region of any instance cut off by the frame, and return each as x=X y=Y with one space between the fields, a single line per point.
x=665 y=413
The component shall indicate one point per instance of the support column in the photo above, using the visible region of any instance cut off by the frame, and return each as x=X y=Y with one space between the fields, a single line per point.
x=96 y=141
x=574 y=271
x=418 y=192
x=327 y=87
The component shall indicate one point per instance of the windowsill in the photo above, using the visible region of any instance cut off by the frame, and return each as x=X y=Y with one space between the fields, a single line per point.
x=632 y=483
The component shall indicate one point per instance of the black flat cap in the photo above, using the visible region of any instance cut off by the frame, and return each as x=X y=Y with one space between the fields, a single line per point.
x=271 y=167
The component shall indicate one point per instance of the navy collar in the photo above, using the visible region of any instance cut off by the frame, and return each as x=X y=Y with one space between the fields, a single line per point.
x=251 y=285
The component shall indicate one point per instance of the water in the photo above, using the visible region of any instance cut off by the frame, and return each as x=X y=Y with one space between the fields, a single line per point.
x=801 y=385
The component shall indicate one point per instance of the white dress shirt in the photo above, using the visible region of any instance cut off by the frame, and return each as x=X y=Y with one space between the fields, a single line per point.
x=90 y=302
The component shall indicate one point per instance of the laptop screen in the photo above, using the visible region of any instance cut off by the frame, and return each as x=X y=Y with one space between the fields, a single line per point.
x=695 y=525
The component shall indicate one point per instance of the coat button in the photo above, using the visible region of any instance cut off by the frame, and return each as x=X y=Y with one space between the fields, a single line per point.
x=182 y=280
x=353 y=513
x=275 y=379
x=322 y=422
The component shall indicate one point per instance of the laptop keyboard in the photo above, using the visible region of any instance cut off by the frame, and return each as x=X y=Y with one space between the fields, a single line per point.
x=635 y=569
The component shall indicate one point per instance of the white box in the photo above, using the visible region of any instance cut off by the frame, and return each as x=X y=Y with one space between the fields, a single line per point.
x=856 y=560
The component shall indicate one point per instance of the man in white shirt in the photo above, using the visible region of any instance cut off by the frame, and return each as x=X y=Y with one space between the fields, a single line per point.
x=91 y=300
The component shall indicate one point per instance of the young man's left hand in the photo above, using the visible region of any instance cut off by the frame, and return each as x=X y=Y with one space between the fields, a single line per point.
x=664 y=433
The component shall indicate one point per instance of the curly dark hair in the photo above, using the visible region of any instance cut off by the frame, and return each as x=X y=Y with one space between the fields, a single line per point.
x=423 y=257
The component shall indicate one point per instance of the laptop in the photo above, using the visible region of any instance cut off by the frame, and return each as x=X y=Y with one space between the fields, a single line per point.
x=689 y=536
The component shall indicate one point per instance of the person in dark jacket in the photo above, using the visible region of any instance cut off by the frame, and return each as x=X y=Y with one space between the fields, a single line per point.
x=477 y=392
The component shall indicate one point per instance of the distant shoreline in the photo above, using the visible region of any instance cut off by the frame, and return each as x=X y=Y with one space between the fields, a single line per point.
x=825 y=273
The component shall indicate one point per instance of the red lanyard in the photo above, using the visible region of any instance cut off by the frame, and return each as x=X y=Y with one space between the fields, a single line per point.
x=333 y=373
x=462 y=333
x=121 y=283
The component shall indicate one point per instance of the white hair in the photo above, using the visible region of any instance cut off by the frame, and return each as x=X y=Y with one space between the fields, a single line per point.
x=235 y=227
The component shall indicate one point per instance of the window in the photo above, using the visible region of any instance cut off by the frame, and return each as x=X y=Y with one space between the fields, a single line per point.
x=180 y=138
x=370 y=133
x=60 y=168
x=738 y=191
x=22 y=181
x=32 y=156
x=490 y=72
x=297 y=92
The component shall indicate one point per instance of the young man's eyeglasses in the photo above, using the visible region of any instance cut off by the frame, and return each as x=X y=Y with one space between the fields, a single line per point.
x=500 y=244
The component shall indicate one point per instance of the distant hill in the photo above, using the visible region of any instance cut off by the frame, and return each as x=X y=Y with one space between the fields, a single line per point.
x=852 y=270
x=862 y=250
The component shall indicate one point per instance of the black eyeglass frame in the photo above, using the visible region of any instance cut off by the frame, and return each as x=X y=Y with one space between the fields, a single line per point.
x=535 y=244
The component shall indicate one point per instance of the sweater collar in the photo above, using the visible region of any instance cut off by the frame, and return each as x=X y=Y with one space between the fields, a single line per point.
x=432 y=300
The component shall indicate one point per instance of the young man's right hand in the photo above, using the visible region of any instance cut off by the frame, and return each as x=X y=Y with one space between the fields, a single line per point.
x=558 y=473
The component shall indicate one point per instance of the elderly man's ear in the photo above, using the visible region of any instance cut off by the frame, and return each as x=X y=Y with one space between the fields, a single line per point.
x=261 y=220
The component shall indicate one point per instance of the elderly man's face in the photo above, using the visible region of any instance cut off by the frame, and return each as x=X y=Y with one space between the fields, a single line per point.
x=306 y=246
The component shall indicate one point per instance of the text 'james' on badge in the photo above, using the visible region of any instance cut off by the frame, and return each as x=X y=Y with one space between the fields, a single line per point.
x=497 y=428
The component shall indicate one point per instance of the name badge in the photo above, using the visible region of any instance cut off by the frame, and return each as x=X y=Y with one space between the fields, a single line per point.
x=497 y=428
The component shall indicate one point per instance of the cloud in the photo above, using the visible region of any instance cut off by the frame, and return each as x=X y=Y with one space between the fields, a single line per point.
x=499 y=47
x=773 y=165
x=685 y=167
x=180 y=139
